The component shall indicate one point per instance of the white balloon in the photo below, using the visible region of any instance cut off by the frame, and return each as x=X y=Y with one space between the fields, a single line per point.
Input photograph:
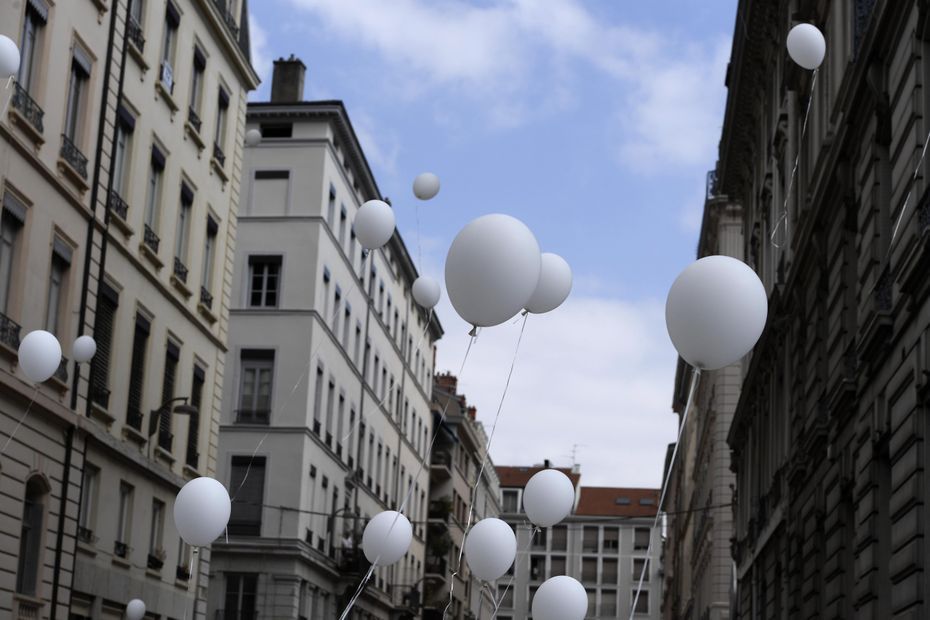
x=201 y=511
x=806 y=46
x=548 y=497
x=9 y=58
x=490 y=549
x=386 y=538
x=715 y=311
x=374 y=224
x=253 y=137
x=39 y=355
x=492 y=269
x=84 y=349
x=426 y=291
x=560 y=598
x=426 y=186
x=135 y=610
x=555 y=283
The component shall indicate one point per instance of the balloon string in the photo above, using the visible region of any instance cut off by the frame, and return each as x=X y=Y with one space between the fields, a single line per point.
x=498 y=601
x=907 y=199
x=21 y=420
x=695 y=377
x=484 y=462
x=416 y=477
x=248 y=469
x=797 y=161
x=6 y=104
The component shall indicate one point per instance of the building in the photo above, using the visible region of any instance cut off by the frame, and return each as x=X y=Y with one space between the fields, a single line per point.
x=696 y=560
x=115 y=210
x=603 y=544
x=457 y=457
x=829 y=434
x=327 y=417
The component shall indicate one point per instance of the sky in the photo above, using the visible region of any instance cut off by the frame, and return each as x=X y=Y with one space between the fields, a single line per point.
x=594 y=123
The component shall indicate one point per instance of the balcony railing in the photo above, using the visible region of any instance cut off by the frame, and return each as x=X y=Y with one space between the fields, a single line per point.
x=62 y=373
x=27 y=107
x=206 y=298
x=228 y=18
x=120 y=549
x=27 y=610
x=117 y=205
x=252 y=416
x=180 y=270
x=194 y=119
x=155 y=562
x=85 y=535
x=218 y=155
x=182 y=573
x=134 y=33
x=73 y=155
x=151 y=239
x=9 y=332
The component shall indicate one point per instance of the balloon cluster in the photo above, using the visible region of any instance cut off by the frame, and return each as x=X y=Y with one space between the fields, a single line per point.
x=39 y=354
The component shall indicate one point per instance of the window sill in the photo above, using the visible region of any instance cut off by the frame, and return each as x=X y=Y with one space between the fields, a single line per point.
x=190 y=473
x=182 y=288
x=101 y=9
x=101 y=414
x=120 y=562
x=136 y=54
x=133 y=435
x=207 y=313
x=218 y=169
x=166 y=97
x=122 y=224
x=195 y=136
x=86 y=549
x=73 y=175
x=182 y=585
x=58 y=384
x=151 y=256
x=31 y=132
x=153 y=574
x=163 y=455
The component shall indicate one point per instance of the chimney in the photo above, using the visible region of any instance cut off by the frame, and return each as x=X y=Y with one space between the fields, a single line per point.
x=287 y=83
x=547 y=464
x=472 y=411
x=447 y=382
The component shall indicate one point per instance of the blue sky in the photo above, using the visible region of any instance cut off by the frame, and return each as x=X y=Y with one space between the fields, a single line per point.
x=593 y=122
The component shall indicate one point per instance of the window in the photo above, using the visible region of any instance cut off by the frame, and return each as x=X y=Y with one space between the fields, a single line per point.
x=264 y=276
x=30 y=539
x=340 y=420
x=11 y=223
x=589 y=543
x=153 y=191
x=137 y=372
x=124 y=522
x=330 y=407
x=318 y=400
x=172 y=355
x=557 y=565
x=589 y=569
x=559 y=538
x=641 y=539
x=639 y=570
x=346 y=326
x=537 y=567
x=608 y=603
x=642 y=603
x=125 y=125
x=200 y=64
x=219 y=138
x=77 y=87
x=241 y=591
x=609 y=571
x=193 y=424
x=206 y=272
x=168 y=44
x=342 y=227
x=247 y=484
x=611 y=539
x=505 y=596
x=592 y=602
x=33 y=25
x=255 y=385
x=107 y=302
x=157 y=530
x=135 y=10
x=331 y=208
x=277 y=130
x=358 y=343
x=57 y=285
x=183 y=231
x=337 y=308
x=88 y=511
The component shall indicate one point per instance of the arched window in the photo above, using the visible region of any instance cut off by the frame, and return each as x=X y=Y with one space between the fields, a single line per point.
x=30 y=540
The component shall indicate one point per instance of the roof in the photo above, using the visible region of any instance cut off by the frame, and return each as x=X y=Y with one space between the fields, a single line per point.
x=516 y=476
x=617 y=502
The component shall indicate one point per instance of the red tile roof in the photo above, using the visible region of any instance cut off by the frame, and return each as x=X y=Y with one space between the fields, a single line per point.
x=617 y=502
x=512 y=476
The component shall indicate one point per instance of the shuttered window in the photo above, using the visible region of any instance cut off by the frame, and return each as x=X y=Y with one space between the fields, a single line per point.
x=172 y=354
x=107 y=302
x=247 y=484
x=193 y=428
x=137 y=373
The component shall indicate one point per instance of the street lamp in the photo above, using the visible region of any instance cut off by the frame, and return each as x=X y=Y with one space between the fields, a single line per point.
x=183 y=409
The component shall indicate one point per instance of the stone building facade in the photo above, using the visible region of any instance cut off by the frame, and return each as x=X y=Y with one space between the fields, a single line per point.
x=118 y=220
x=327 y=417
x=829 y=434
x=457 y=457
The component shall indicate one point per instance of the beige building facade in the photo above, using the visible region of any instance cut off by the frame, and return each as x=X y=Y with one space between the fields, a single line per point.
x=119 y=164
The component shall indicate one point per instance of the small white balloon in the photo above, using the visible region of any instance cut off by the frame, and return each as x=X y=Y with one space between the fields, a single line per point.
x=135 y=610
x=253 y=137
x=806 y=46
x=548 y=497
x=386 y=538
x=492 y=269
x=715 y=312
x=374 y=224
x=555 y=283
x=201 y=511
x=39 y=355
x=84 y=349
x=426 y=291
x=426 y=186
x=9 y=58
x=560 y=598
x=490 y=549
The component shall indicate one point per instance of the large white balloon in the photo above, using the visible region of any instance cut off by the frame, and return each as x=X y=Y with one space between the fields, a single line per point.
x=84 y=349
x=806 y=46
x=386 y=538
x=9 y=58
x=426 y=186
x=374 y=224
x=253 y=137
x=490 y=549
x=492 y=269
x=548 y=497
x=560 y=598
x=426 y=291
x=201 y=511
x=555 y=283
x=715 y=311
x=135 y=610
x=39 y=355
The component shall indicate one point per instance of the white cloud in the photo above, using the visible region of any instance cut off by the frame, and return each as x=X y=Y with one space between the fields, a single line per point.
x=595 y=372
x=261 y=56
x=381 y=147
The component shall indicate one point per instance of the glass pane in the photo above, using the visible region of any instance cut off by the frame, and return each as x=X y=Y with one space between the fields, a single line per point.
x=247 y=397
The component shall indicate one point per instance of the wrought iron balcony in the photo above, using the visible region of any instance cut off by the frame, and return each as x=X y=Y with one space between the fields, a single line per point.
x=134 y=419
x=228 y=18
x=117 y=205
x=134 y=34
x=9 y=331
x=120 y=549
x=27 y=107
x=194 y=119
x=206 y=298
x=155 y=562
x=73 y=155
x=62 y=373
x=218 y=155
x=151 y=239
x=182 y=573
x=180 y=270
x=86 y=535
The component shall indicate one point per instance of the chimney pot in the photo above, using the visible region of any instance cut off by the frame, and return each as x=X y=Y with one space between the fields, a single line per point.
x=287 y=82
